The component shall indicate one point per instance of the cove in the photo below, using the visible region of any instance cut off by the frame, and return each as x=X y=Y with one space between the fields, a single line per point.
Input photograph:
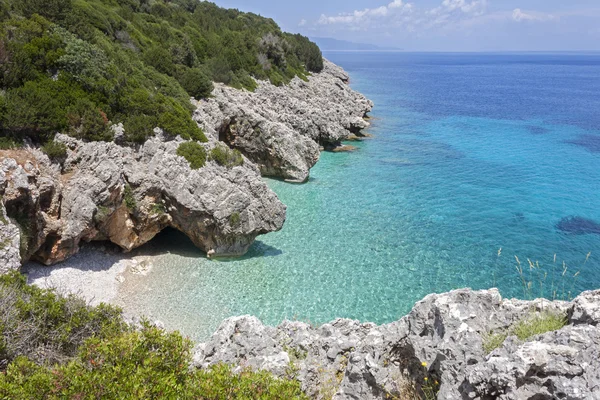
x=448 y=180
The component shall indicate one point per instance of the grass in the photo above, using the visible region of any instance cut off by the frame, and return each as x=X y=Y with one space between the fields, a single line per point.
x=538 y=324
x=129 y=198
x=556 y=281
x=528 y=327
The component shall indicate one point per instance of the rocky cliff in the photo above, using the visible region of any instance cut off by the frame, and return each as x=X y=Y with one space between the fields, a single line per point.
x=126 y=195
x=438 y=346
x=281 y=128
x=108 y=192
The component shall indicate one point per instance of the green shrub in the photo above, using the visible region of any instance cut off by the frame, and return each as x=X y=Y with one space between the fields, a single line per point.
x=57 y=151
x=139 y=127
x=129 y=198
x=194 y=153
x=226 y=157
x=8 y=143
x=196 y=83
x=45 y=327
x=144 y=364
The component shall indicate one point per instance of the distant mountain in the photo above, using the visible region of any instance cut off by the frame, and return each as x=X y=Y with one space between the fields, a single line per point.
x=343 y=45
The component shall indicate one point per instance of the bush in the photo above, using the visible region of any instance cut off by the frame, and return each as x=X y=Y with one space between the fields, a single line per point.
x=57 y=151
x=139 y=127
x=194 y=153
x=144 y=364
x=226 y=157
x=196 y=83
x=56 y=347
x=46 y=327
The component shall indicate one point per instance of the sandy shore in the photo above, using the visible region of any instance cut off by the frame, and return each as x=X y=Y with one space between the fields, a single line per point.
x=96 y=273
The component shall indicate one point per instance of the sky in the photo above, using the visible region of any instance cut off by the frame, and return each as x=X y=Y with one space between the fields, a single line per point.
x=441 y=25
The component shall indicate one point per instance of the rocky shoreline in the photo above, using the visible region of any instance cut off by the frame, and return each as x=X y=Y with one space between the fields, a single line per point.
x=439 y=344
x=126 y=195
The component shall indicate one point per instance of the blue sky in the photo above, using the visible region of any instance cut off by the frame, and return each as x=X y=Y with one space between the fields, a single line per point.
x=441 y=25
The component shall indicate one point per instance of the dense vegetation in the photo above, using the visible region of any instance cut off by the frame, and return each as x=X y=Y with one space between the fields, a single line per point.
x=54 y=347
x=76 y=66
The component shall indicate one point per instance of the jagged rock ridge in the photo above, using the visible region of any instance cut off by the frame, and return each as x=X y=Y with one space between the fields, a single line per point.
x=127 y=196
x=349 y=360
x=282 y=128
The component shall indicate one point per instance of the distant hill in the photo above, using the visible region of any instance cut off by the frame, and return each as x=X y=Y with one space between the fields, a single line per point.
x=343 y=45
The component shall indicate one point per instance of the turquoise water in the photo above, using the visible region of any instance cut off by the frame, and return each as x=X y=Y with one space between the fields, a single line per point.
x=471 y=153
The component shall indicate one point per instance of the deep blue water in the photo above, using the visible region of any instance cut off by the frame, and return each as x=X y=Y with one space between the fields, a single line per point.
x=471 y=153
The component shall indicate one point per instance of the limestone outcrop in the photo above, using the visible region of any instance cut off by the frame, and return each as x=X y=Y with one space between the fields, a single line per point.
x=104 y=191
x=282 y=128
x=441 y=339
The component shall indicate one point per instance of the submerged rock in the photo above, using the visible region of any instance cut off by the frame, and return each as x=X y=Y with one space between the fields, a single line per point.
x=126 y=196
x=578 y=226
x=281 y=128
x=440 y=339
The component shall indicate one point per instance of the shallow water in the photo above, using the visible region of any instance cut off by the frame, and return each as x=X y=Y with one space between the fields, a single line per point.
x=471 y=153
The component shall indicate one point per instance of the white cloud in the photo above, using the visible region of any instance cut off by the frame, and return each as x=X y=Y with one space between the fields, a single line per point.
x=407 y=15
x=518 y=15
x=366 y=15
x=302 y=22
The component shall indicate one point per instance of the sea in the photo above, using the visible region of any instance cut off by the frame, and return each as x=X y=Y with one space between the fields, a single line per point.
x=483 y=171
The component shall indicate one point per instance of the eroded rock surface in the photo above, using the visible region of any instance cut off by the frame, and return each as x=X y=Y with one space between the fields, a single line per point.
x=349 y=360
x=281 y=128
x=109 y=192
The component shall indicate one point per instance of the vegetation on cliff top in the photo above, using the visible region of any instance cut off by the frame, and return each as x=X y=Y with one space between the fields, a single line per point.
x=74 y=65
x=55 y=347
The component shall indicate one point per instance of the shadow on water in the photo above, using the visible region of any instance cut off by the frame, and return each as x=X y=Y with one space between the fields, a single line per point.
x=258 y=249
x=576 y=225
x=588 y=141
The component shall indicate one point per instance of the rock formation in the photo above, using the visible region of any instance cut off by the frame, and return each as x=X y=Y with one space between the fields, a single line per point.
x=441 y=339
x=127 y=196
x=281 y=128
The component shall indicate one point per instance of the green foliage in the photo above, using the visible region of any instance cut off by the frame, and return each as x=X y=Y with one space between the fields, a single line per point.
x=8 y=143
x=493 y=340
x=234 y=218
x=55 y=150
x=144 y=364
x=196 y=83
x=57 y=347
x=528 y=327
x=46 y=327
x=539 y=323
x=226 y=157
x=194 y=153
x=72 y=66
x=129 y=198
x=158 y=209
x=52 y=9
